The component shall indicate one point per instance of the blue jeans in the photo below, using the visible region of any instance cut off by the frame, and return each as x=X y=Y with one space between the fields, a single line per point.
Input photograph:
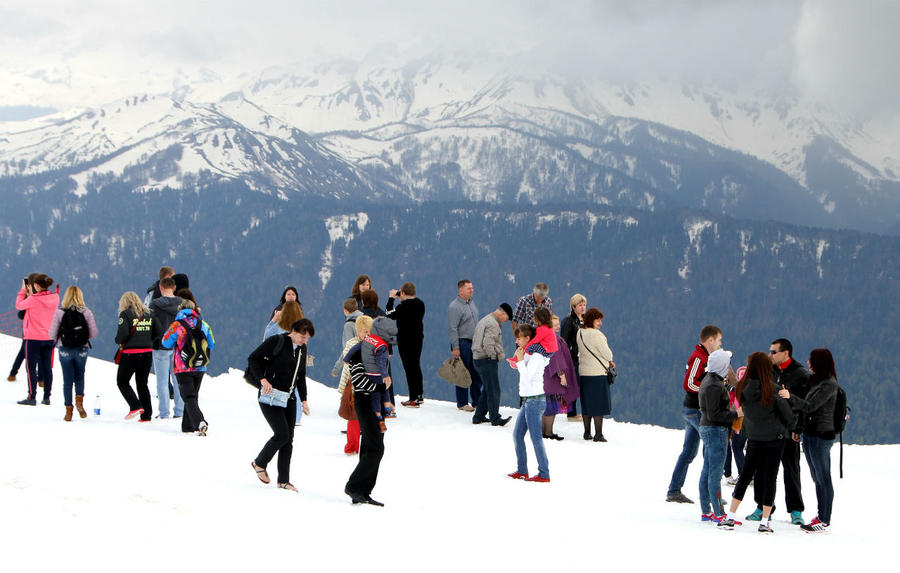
x=715 y=442
x=462 y=394
x=162 y=366
x=688 y=450
x=299 y=408
x=738 y=441
x=71 y=362
x=818 y=456
x=529 y=419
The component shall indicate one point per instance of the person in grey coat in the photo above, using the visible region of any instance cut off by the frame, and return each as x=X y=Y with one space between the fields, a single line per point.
x=351 y=313
x=462 y=316
x=487 y=352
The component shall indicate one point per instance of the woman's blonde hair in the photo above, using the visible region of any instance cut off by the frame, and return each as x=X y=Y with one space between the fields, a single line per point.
x=290 y=313
x=73 y=298
x=576 y=300
x=363 y=323
x=130 y=300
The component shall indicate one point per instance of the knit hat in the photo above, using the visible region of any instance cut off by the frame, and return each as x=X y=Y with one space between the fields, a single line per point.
x=507 y=309
x=718 y=362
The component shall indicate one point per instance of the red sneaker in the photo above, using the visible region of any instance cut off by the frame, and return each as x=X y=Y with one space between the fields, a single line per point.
x=538 y=479
x=517 y=475
x=134 y=413
x=410 y=404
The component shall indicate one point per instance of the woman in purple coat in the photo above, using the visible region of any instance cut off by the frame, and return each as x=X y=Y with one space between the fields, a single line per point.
x=560 y=385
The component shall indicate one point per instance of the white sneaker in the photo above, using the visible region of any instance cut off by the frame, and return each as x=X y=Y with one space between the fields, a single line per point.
x=732 y=480
x=202 y=430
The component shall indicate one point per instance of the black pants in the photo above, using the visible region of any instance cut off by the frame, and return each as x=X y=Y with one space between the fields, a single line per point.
x=410 y=355
x=790 y=463
x=38 y=363
x=17 y=363
x=139 y=366
x=760 y=465
x=362 y=480
x=189 y=385
x=282 y=421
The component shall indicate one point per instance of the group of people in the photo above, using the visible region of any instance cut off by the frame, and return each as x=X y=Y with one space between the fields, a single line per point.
x=774 y=404
x=771 y=406
x=164 y=331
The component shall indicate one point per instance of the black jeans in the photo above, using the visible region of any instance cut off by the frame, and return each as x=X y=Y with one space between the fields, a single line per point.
x=410 y=354
x=38 y=362
x=282 y=421
x=790 y=462
x=362 y=480
x=189 y=386
x=139 y=366
x=760 y=465
x=489 y=401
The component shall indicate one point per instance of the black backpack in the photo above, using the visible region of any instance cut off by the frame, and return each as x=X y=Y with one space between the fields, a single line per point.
x=841 y=415
x=73 y=329
x=279 y=344
x=195 y=348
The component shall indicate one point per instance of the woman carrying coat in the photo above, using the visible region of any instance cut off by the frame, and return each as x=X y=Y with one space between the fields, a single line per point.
x=40 y=305
x=135 y=338
x=594 y=360
x=767 y=418
x=73 y=355
x=819 y=431
x=279 y=363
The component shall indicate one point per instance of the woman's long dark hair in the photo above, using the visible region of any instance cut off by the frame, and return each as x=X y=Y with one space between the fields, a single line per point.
x=296 y=294
x=360 y=280
x=758 y=368
x=822 y=364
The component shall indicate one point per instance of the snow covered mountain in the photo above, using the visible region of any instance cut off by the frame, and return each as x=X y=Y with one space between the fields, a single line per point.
x=448 y=129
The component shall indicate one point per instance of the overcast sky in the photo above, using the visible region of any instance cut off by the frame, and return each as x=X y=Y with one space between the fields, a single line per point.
x=840 y=52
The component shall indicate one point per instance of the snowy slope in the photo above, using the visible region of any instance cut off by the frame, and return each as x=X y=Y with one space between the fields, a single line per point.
x=107 y=494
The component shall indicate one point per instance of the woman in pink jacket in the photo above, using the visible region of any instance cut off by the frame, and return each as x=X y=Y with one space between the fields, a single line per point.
x=40 y=306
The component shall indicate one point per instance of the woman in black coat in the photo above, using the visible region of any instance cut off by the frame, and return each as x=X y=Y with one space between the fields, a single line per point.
x=279 y=363
x=767 y=418
x=818 y=431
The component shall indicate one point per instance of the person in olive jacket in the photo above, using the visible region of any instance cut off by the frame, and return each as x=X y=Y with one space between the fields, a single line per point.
x=767 y=419
x=280 y=363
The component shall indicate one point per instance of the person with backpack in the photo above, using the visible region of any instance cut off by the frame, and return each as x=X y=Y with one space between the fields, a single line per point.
x=39 y=304
x=192 y=341
x=72 y=328
x=289 y=313
x=135 y=339
x=163 y=309
x=279 y=363
x=819 y=430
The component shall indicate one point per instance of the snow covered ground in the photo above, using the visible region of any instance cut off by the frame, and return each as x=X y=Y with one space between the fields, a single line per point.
x=108 y=494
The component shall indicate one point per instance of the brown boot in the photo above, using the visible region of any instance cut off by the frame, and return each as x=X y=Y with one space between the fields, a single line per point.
x=68 y=417
x=79 y=405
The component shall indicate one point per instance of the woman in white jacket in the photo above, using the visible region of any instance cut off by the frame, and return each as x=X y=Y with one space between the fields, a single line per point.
x=533 y=403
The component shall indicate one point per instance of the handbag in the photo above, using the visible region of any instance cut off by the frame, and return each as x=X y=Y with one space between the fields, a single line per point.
x=610 y=370
x=277 y=397
x=347 y=410
x=454 y=371
x=118 y=355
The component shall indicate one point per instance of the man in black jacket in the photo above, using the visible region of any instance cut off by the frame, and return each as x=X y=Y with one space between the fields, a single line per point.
x=409 y=315
x=790 y=374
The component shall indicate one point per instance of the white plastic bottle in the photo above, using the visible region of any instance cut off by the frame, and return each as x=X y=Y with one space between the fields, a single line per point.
x=97 y=405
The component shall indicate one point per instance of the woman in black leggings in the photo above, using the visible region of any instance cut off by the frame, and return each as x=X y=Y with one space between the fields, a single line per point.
x=279 y=363
x=767 y=418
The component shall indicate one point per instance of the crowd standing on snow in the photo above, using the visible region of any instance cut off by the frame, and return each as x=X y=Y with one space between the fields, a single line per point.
x=778 y=404
x=772 y=405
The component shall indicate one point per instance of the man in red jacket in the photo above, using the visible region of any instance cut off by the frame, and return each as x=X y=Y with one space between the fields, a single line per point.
x=710 y=341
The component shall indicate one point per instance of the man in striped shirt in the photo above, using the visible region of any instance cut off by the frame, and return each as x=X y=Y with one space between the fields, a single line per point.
x=710 y=341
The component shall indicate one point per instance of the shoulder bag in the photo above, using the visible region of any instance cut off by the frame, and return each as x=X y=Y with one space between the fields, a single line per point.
x=280 y=397
x=610 y=370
